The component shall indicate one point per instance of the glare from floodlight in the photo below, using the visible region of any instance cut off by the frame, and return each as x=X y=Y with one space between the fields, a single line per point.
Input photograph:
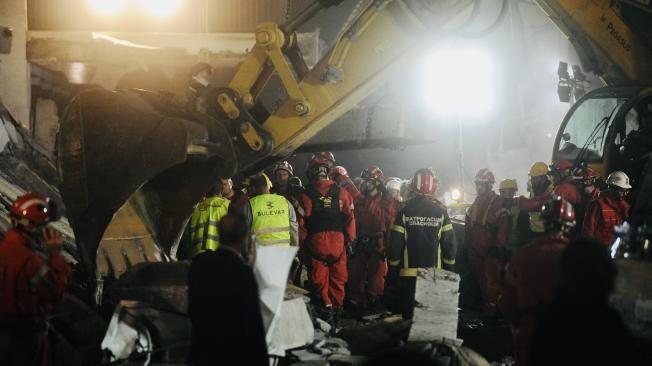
x=456 y=194
x=160 y=8
x=458 y=82
x=108 y=7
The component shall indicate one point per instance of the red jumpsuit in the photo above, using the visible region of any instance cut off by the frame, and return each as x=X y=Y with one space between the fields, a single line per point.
x=602 y=215
x=374 y=217
x=324 y=243
x=30 y=288
x=568 y=191
x=534 y=274
x=484 y=233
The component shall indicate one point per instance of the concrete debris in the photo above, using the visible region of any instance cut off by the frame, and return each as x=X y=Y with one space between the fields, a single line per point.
x=322 y=325
x=436 y=315
x=323 y=350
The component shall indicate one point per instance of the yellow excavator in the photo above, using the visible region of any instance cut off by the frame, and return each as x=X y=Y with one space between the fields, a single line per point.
x=132 y=164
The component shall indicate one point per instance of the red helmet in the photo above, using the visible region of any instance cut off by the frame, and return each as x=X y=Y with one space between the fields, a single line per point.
x=284 y=165
x=325 y=156
x=425 y=182
x=36 y=207
x=563 y=165
x=558 y=211
x=340 y=170
x=586 y=173
x=318 y=168
x=373 y=172
x=485 y=175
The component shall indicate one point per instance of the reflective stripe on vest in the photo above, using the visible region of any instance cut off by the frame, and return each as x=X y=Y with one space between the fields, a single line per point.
x=536 y=222
x=204 y=221
x=270 y=219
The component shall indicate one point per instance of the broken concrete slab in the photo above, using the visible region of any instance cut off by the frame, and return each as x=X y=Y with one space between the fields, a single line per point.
x=436 y=315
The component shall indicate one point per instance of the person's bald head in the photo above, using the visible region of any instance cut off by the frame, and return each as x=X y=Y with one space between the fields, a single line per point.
x=233 y=231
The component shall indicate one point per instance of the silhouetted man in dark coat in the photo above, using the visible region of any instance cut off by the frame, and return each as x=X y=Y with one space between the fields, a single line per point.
x=579 y=327
x=224 y=308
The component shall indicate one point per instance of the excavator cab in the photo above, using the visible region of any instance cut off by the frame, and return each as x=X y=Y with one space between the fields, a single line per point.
x=610 y=129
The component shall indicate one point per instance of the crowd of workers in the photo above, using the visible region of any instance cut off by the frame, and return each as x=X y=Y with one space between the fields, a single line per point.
x=361 y=244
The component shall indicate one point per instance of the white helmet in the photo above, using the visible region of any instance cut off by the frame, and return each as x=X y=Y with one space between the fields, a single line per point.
x=393 y=186
x=619 y=179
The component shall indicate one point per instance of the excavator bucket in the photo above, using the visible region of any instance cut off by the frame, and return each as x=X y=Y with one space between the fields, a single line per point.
x=132 y=165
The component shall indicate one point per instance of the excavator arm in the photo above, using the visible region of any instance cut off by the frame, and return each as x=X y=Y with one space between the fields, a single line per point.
x=607 y=44
x=132 y=164
x=379 y=41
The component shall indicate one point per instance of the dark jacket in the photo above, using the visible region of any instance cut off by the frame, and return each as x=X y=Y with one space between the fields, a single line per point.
x=421 y=227
x=224 y=309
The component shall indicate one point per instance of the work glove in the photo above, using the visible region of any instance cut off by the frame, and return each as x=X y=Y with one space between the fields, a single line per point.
x=52 y=240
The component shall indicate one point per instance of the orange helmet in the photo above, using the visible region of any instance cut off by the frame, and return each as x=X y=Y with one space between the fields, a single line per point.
x=485 y=175
x=35 y=207
x=425 y=182
x=318 y=168
x=373 y=172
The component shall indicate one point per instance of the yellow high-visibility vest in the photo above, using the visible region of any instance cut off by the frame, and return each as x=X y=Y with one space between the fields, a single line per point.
x=203 y=224
x=270 y=219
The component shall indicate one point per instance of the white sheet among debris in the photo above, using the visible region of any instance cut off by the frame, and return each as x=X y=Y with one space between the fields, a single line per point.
x=121 y=338
x=271 y=270
x=435 y=317
x=294 y=328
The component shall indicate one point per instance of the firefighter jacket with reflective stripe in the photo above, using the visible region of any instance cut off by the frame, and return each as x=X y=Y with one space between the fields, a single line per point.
x=30 y=285
x=203 y=224
x=602 y=215
x=272 y=220
x=422 y=237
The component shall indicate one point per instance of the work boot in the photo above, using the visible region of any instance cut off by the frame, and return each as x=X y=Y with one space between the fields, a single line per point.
x=374 y=306
x=324 y=313
x=337 y=315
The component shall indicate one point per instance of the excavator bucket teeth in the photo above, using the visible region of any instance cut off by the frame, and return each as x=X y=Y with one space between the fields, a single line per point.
x=137 y=151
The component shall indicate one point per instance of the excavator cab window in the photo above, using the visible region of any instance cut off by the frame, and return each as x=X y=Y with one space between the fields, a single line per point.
x=585 y=133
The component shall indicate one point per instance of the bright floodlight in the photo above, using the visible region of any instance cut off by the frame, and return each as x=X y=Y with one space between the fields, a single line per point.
x=160 y=8
x=108 y=7
x=458 y=82
x=456 y=194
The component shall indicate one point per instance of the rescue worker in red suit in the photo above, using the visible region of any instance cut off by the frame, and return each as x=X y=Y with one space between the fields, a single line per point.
x=375 y=211
x=33 y=279
x=485 y=239
x=327 y=228
x=565 y=186
x=529 y=223
x=608 y=210
x=533 y=275
x=341 y=176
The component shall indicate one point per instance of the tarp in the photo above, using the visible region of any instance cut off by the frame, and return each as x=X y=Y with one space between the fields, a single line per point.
x=271 y=270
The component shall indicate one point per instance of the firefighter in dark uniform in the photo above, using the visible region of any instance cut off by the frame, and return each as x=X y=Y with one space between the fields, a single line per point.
x=422 y=237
